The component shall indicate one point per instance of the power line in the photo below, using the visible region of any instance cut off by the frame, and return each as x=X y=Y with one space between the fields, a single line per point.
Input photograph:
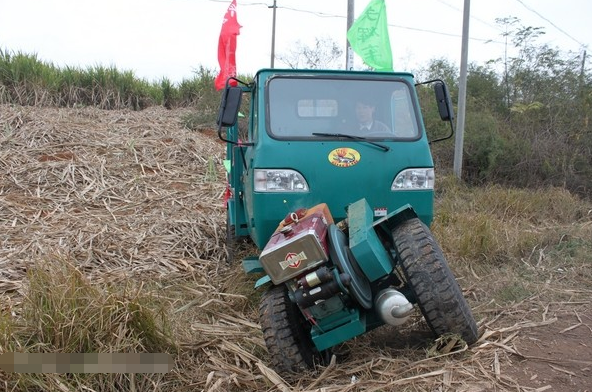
x=551 y=23
x=442 y=33
x=329 y=15
x=316 y=13
x=472 y=16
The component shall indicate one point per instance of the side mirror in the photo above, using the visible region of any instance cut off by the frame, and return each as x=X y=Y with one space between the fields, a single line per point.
x=444 y=102
x=229 y=107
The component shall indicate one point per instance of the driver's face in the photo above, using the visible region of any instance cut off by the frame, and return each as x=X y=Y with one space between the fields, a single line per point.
x=365 y=113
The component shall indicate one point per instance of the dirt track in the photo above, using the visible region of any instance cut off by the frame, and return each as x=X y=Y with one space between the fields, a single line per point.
x=133 y=194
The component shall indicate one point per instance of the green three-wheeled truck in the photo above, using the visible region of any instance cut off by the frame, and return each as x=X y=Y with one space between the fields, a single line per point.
x=340 y=215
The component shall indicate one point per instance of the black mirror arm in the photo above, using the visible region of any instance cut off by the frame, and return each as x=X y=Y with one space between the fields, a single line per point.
x=448 y=104
x=223 y=106
x=220 y=135
x=445 y=137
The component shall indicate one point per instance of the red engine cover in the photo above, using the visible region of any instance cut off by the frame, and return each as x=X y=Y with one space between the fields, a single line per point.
x=297 y=247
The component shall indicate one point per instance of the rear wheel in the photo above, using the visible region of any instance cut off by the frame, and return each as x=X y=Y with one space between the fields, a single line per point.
x=235 y=245
x=426 y=271
x=231 y=242
x=287 y=333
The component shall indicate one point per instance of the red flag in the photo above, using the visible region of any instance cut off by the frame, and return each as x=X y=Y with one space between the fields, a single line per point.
x=227 y=47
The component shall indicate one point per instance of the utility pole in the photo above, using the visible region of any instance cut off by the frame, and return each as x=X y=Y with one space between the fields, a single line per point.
x=583 y=70
x=274 y=6
x=349 y=53
x=462 y=93
x=582 y=90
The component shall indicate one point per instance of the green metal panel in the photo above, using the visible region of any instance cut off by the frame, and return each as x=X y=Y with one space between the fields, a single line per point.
x=263 y=280
x=252 y=265
x=236 y=209
x=364 y=243
x=324 y=311
x=355 y=325
x=396 y=217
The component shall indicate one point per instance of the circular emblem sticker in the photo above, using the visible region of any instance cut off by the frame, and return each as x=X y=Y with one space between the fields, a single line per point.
x=344 y=157
x=294 y=259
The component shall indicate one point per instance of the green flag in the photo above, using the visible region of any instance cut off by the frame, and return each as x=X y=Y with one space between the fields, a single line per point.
x=369 y=37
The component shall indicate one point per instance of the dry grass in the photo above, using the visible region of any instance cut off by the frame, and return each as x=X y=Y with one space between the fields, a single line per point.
x=123 y=194
x=506 y=224
x=114 y=221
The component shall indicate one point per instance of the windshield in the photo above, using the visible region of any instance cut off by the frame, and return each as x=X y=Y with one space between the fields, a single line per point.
x=381 y=109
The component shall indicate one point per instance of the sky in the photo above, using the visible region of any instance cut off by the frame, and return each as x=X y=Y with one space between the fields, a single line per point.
x=173 y=38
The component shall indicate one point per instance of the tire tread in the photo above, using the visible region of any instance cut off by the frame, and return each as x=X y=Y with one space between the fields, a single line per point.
x=426 y=271
x=289 y=343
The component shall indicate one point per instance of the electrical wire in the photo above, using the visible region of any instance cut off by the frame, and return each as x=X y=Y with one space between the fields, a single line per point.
x=548 y=21
x=472 y=16
x=328 y=15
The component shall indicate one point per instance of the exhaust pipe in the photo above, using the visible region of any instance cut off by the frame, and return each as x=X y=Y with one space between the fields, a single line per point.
x=393 y=307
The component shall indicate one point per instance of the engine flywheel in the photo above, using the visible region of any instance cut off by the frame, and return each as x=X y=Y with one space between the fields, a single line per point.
x=346 y=263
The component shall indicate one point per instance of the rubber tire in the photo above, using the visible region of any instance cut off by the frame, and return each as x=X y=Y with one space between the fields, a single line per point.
x=231 y=243
x=235 y=244
x=428 y=276
x=287 y=333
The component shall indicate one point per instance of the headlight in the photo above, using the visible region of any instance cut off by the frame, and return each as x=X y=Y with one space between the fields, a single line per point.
x=279 y=181
x=412 y=179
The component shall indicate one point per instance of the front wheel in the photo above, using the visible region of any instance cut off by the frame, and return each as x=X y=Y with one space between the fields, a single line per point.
x=426 y=271
x=287 y=333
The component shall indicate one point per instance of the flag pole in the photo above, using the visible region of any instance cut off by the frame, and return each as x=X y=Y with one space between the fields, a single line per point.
x=349 y=53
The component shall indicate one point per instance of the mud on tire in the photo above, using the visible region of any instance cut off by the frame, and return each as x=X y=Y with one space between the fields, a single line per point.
x=287 y=333
x=427 y=274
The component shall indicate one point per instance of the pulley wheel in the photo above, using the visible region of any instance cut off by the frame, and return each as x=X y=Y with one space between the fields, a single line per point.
x=340 y=254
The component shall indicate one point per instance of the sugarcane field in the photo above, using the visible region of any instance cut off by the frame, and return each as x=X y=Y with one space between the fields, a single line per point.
x=114 y=241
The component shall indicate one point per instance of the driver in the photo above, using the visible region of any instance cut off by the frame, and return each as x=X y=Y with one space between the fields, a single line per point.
x=365 y=111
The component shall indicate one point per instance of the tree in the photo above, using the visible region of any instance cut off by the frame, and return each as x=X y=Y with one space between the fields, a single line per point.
x=324 y=54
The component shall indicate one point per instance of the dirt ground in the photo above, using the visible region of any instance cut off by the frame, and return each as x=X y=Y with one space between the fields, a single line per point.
x=539 y=344
x=556 y=356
